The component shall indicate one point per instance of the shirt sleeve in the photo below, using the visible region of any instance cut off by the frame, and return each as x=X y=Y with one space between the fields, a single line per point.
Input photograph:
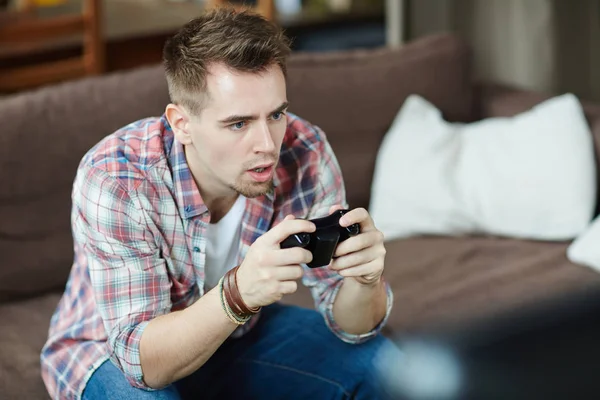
x=324 y=283
x=129 y=278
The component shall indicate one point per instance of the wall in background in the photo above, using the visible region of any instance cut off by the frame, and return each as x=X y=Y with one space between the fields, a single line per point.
x=547 y=45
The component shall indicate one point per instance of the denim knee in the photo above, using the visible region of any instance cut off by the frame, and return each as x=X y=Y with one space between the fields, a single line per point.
x=108 y=382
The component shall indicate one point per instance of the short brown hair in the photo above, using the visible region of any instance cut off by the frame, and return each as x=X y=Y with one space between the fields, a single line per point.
x=242 y=40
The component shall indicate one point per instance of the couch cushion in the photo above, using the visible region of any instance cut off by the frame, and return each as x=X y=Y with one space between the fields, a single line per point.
x=497 y=100
x=493 y=176
x=23 y=332
x=46 y=133
x=439 y=282
x=449 y=280
x=354 y=96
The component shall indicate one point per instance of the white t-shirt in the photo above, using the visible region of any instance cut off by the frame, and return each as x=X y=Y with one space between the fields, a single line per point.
x=222 y=244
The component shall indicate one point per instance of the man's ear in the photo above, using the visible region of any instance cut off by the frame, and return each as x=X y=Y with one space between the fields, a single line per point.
x=179 y=120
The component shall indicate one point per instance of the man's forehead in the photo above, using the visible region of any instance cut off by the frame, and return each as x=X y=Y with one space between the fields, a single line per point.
x=224 y=78
x=245 y=92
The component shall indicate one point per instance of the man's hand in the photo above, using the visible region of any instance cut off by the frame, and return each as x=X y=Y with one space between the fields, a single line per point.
x=360 y=257
x=268 y=272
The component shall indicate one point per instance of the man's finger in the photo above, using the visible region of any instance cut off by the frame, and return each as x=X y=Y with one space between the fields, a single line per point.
x=292 y=256
x=354 y=259
x=372 y=267
x=358 y=216
x=357 y=243
x=286 y=228
x=288 y=287
x=288 y=273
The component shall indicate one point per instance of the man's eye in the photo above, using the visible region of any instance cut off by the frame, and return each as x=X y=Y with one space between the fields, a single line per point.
x=277 y=116
x=238 y=125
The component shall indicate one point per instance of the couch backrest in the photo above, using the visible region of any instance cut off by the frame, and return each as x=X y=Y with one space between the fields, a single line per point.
x=44 y=136
x=353 y=96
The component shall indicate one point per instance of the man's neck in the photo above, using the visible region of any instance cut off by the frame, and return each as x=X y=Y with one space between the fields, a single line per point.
x=218 y=201
x=219 y=207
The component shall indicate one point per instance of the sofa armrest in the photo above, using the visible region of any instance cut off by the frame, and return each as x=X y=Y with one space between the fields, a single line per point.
x=498 y=100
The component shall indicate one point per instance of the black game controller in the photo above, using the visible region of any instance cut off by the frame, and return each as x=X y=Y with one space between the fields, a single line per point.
x=324 y=240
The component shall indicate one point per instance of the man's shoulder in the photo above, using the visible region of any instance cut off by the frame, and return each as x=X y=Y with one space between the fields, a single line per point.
x=308 y=171
x=128 y=153
x=304 y=150
x=303 y=135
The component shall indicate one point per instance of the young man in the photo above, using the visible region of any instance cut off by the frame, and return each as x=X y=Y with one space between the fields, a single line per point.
x=177 y=224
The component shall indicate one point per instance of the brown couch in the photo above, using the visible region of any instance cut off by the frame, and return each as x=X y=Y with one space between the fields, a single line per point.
x=354 y=97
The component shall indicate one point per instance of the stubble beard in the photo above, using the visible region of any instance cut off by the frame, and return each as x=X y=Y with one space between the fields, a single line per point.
x=252 y=190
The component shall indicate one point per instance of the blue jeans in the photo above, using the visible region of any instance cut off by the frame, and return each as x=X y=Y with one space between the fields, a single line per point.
x=290 y=354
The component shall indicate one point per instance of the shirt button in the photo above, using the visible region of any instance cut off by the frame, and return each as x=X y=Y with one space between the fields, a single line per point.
x=197 y=249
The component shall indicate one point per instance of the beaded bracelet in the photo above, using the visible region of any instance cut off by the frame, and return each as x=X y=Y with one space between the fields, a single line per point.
x=233 y=295
x=233 y=317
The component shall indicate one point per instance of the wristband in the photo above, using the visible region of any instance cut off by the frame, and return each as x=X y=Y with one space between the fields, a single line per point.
x=232 y=290
x=227 y=292
x=233 y=317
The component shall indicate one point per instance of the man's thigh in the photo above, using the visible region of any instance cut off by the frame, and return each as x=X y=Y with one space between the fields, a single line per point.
x=289 y=354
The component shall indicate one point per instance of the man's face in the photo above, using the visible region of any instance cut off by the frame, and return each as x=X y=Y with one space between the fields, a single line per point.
x=235 y=140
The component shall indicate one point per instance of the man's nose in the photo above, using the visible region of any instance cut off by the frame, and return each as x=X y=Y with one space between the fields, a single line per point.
x=264 y=140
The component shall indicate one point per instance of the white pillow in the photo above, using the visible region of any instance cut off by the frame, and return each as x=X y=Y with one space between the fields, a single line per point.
x=585 y=249
x=528 y=176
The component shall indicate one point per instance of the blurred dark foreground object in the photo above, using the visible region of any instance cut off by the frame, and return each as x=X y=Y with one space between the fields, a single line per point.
x=549 y=351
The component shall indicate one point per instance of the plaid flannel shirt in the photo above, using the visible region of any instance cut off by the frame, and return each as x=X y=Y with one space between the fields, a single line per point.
x=138 y=223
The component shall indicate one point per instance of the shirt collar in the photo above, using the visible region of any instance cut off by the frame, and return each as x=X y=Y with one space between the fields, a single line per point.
x=187 y=194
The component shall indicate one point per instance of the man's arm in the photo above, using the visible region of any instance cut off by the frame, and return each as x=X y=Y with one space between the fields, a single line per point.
x=354 y=308
x=150 y=344
x=362 y=301
x=176 y=344
x=265 y=275
x=358 y=307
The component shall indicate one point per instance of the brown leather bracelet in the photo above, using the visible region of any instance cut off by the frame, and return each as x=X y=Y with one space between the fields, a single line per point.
x=228 y=296
x=235 y=293
x=252 y=310
x=233 y=317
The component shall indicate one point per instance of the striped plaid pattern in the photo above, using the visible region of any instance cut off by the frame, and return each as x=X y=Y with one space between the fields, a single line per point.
x=138 y=224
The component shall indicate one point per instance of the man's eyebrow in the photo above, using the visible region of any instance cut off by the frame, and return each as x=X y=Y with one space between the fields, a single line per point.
x=236 y=118
x=282 y=107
